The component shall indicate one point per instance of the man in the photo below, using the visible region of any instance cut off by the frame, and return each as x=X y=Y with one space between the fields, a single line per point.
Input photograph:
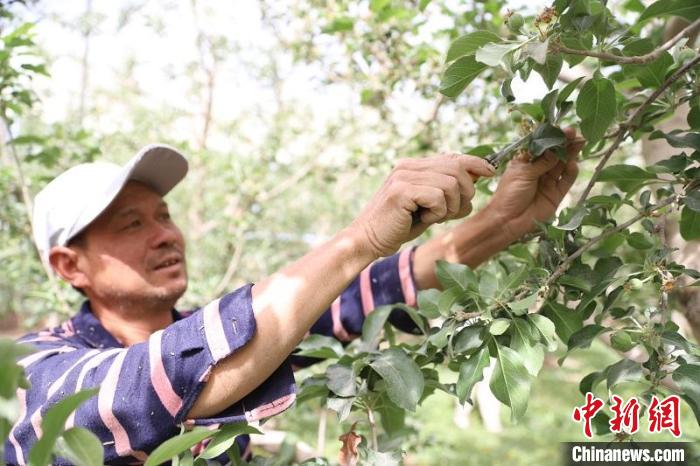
x=106 y=230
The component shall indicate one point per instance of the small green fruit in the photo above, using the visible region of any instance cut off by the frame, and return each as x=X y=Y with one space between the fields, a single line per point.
x=515 y=22
x=516 y=116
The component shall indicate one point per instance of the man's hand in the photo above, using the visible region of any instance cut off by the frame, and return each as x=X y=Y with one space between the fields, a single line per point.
x=530 y=192
x=440 y=188
x=527 y=192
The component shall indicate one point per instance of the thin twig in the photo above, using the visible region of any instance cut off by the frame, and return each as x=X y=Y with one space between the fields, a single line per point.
x=28 y=205
x=567 y=262
x=635 y=60
x=624 y=129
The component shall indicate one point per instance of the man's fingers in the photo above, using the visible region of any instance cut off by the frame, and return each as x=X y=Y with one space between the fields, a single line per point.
x=456 y=194
x=476 y=165
x=544 y=163
x=568 y=176
x=431 y=202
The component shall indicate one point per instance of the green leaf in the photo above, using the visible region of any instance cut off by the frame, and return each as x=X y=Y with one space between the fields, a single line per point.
x=499 y=326
x=650 y=74
x=546 y=136
x=694 y=117
x=451 y=275
x=584 y=337
x=339 y=25
x=687 y=376
x=428 y=302
x=624 y=370
x=639 y=241
x=596 y=107
x=320 y=346
x=549 y=106
x=377 y=5
x=470 y=372
x=688 y=9
x=567 y=90
x=627 y=178
x=510 y=381
x=53 y=423
x=448 y=299
x=566 y=321
x=692 y=201
x=340 y=379
x=589 y=382
x=468 y=44
x=459 y=74
x=488 y=285
x=546 y=329
x=531 y=352
x=393 y=418
x=551 y=69
x=575 y=219
x=537 y=51
x=402 y=376
x=676 y=139
x=81 y=447
x=467 y=340
x=690 y=224
x=224 y=439
x=373 y=325
x=179 y=444
x=492 y=54
x=521 y=306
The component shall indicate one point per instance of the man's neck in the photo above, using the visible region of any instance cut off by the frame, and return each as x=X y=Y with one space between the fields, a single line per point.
x=131 y=324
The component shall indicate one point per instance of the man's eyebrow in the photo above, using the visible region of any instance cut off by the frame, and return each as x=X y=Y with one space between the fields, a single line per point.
x=126 y=211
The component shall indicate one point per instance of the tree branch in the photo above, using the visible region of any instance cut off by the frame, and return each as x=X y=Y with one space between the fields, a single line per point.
x=624 y=129
x=561 y=269
x=28 y=205
x=635 y=60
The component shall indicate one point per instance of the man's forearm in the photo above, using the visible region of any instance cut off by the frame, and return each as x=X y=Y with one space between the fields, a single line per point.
x=471 y=242
x=285 y=305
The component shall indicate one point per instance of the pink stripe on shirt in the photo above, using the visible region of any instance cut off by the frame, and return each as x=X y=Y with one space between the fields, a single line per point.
x=89 y=365
x=32 y=358
x=22 y=399
x=214 y=331
x=407 y=285
x=338 y=329
x=366 y=291
x=159 y=378
x=105 y=403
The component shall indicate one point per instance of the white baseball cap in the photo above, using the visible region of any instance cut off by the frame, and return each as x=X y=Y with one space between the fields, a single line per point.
x=76 y=197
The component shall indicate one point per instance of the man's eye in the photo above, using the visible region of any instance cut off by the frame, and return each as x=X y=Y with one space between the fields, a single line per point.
x=134 y=224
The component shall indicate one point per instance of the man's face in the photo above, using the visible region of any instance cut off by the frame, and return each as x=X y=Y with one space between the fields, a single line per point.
x=133 y=251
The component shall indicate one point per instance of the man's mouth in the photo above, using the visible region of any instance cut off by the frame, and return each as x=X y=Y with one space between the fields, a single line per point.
x=169 y=262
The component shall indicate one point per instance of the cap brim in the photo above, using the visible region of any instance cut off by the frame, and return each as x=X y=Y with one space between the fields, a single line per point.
x=157 y=165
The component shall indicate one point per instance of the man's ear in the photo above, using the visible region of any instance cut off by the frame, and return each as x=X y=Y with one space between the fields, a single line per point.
x=65 y=261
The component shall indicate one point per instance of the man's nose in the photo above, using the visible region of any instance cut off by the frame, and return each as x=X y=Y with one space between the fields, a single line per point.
x=163 y=235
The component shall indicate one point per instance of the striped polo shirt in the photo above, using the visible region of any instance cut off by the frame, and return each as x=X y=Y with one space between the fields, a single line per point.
x=147 y=389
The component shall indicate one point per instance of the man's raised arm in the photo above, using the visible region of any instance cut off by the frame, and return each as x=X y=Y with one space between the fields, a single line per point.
x=287 y=303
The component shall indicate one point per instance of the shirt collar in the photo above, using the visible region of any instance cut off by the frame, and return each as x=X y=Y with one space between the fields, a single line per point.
x=88 y=328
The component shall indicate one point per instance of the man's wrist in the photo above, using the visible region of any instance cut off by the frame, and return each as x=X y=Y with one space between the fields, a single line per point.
x=354 y=240
x=481 y=236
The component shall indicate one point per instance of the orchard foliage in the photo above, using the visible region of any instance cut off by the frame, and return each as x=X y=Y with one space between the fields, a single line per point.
x=601 y=269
